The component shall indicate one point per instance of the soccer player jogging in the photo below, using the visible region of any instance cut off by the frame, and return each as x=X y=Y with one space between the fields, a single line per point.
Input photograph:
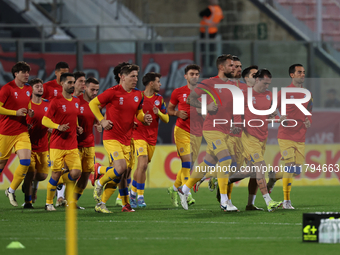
x=14 y=105
x=38 y=169
x=254 y=135
x=145 y=137
x=123 y=102
x=215 y=135
x=54 y=88
x=292 y=139
x=79 y=87
x=62 y=116
x=187 y=142
x=86 y=139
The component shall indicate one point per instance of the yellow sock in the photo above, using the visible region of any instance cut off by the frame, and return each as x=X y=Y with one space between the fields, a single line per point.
x=191 y=182
x=197 y=174
x=109 y=176
x=110 y=188
x=124 y=194
x=178 y=181
x=103 y=169
x=78 y=192
x=287 y=185
x=211 y=174
x=223 y=177
x=134 y=189
x=51 y=188
x=185 y=175
x=18 y=176
x=279 y=175
x=140 y=189
x=230 y=189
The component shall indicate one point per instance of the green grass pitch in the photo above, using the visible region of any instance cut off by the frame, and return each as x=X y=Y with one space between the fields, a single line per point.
x=161 y=229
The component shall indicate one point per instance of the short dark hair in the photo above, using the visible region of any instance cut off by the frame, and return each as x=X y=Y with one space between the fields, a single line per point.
x=292 y=68
x=192 y=67
x=60 y=65
x=126 y=70
x=246 y=71
x=64 y=76
x=34 y=81
x=149 y=77
x=235 y=58
x=223 y=58
x=91 y=80
x=261 y=73
x=79 y=74
x=117 y=69
x=20 y=66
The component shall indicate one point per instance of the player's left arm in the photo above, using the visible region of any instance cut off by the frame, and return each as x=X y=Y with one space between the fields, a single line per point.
x=162 y=113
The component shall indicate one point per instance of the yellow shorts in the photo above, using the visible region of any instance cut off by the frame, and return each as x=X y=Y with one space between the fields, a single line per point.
x=216 y=141
x=117 y=151
x=39 y=162
x=71 y=158
x=182 y=140
x=235 y=148
x=19 y=142
x=131 y=162
x=195 y=142
x=144 y=149
x=253 y=148
x=292 y=151
x=87 y=157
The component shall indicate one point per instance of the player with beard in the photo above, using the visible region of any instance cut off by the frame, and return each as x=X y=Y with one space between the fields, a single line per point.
x=216 y=136
x=62 y=116
x=38 y=169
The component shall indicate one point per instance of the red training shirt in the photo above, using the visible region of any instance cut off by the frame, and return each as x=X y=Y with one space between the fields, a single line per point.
x=51 y=90
x=86 y=119
x=121 y=108
x=38 y=132
x=149 y=133
x=63 y=111
x=14 y=98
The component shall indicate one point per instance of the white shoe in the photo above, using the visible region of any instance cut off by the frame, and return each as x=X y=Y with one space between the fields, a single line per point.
x=288 y=205
x=183 y=198
x=231 y=207
x=224 y=206
x=50 y=208
x=11 y=198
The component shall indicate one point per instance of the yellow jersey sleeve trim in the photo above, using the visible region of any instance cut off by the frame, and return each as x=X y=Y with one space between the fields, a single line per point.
x=4 y=111
x=163 y=117
x=94 y=106
x=47 y=122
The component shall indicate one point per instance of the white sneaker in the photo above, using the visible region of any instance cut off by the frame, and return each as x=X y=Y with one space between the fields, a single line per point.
x=50 y=208
x=224 y=206
x=183 y=198
x=288 y=205
x=231 y=207
x=11 y=198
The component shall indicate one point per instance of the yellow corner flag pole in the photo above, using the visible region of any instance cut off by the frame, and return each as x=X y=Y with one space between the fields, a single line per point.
x=71 y=222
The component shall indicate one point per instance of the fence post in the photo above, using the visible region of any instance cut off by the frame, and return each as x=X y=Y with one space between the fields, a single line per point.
x=20 y=50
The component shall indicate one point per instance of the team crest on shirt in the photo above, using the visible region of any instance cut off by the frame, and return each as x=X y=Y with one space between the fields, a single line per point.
x=254 y=100
x=140 y=149
x=45 y=109
x=185 y=97
x=81 y=109
x=55 y=92
x=121 y=101
x=268 y=97
x=64 y=108
x=115 y=154
x=28 y=93
x=76 y=104
x=16 y=94
x=256 y=156
x=218 y=142
x=136 y=99
x=157 y=102
x=285 y=153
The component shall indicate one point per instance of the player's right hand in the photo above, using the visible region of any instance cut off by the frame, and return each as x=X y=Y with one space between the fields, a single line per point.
x=21 y=112
x=182 y=114
x=63 y=127
x=212 y=107
x=106 y=124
